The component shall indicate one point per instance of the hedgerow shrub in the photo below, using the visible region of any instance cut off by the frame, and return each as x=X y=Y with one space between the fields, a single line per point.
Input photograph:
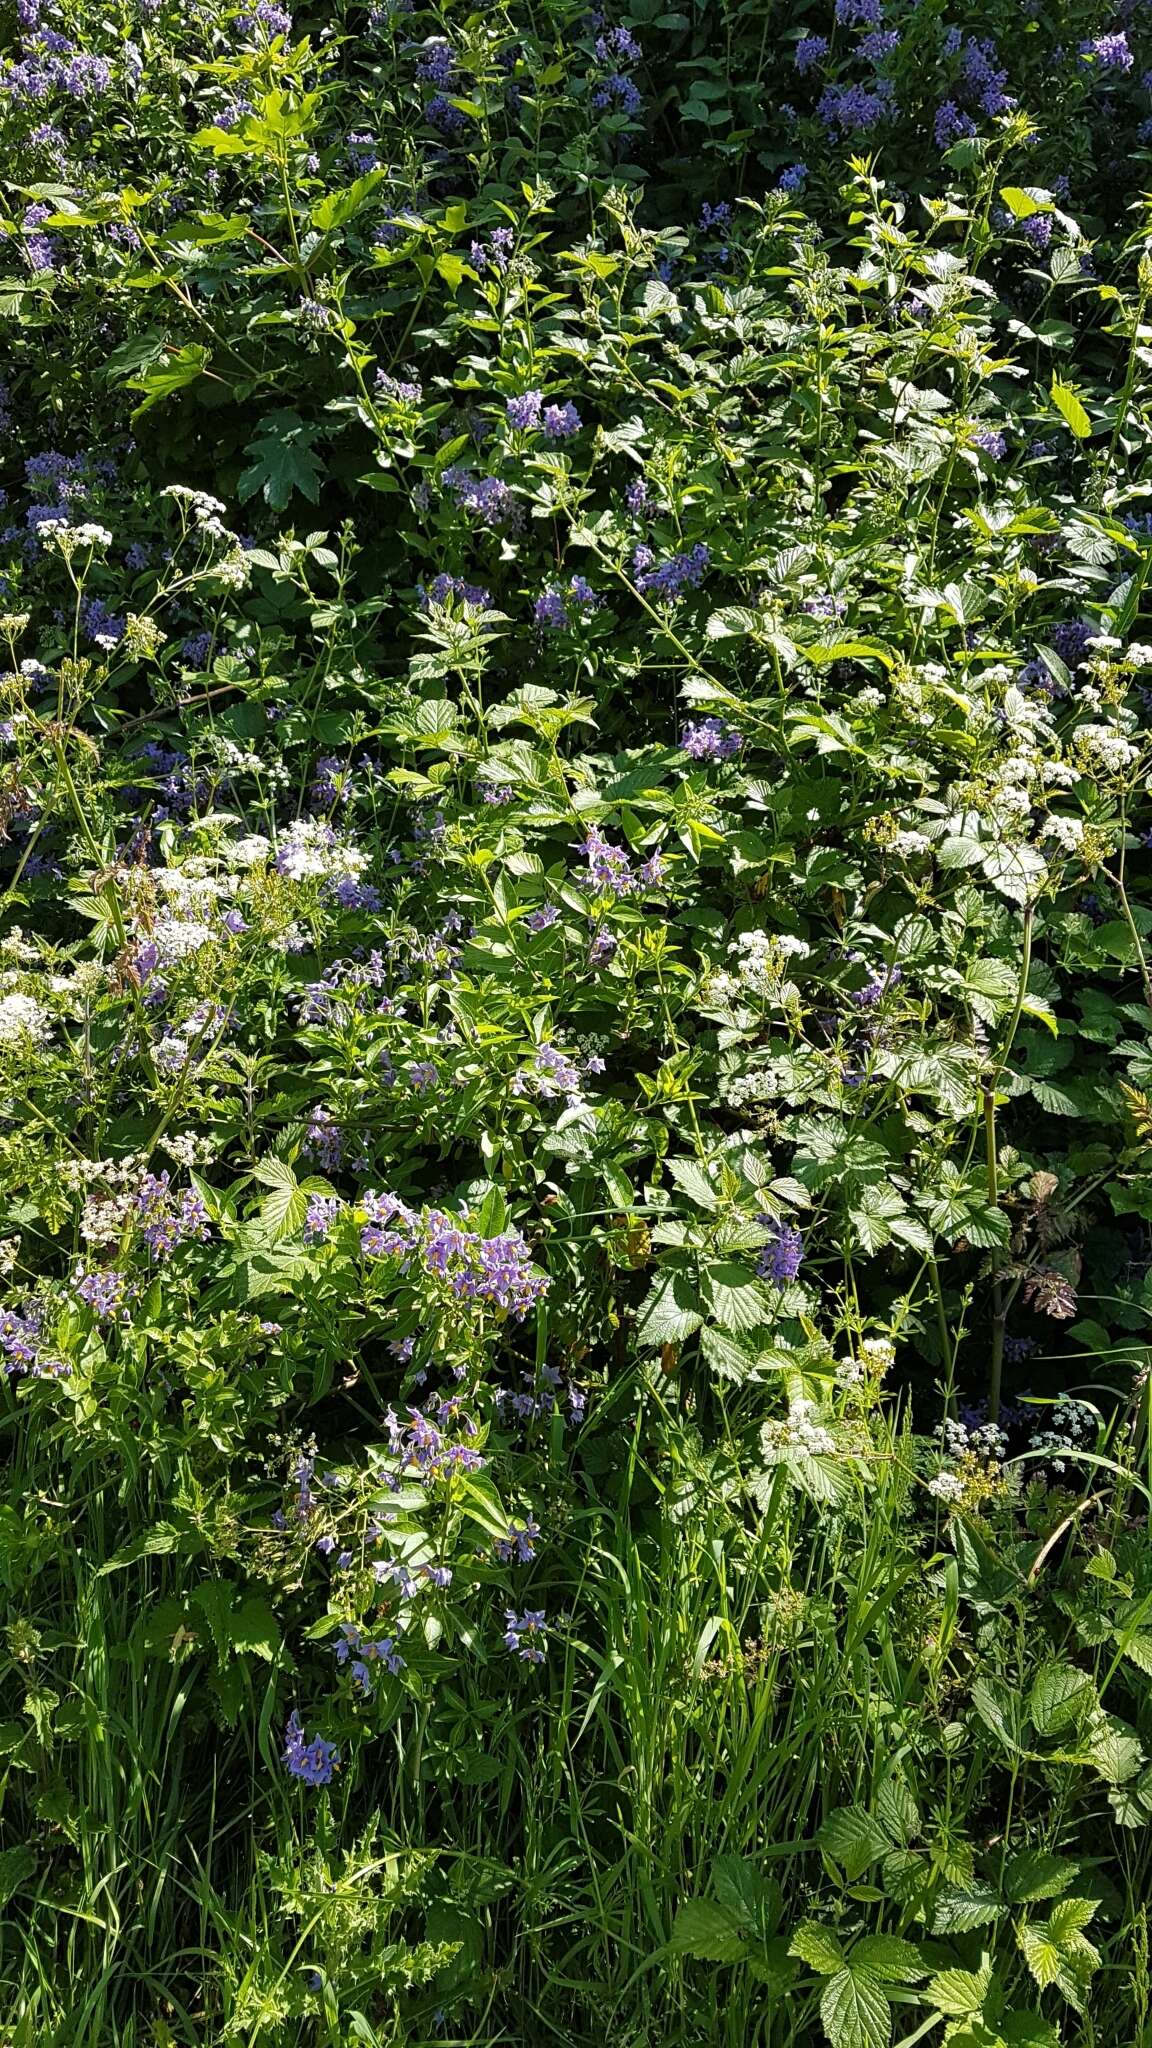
x=575 y=1063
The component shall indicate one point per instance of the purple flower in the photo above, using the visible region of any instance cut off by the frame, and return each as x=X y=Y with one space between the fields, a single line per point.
x=1037 y=229
x=560 y=422
x=446 y=117
x=792 y=178
x=617 y=46
x=323 y=1139
x=618 y=94
x=443 y=589
x=679 y=572
x=718 y=216
x=105 y=1293
x=854 y=108
x=636 y=497
x=436 y=63
x=810 y=50
x=487 y=496
x=858 y=13
x=711 y=740
x=524 y=411
x=876 y=47
x=525 y=1634
x=780 y=1258
x=992 y=442
x=540 y=920
x=1111 y=52
x=951 y=125
x=312 y=1762
x=519 y=1545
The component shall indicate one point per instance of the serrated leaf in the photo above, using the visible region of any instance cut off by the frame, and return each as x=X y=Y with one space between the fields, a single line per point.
x=1037 y=1874
x=961 y=1910
x=854 y=1839
x=706 y=1929
x=738 y=1300
x=959 y=1992
x=889 y=1957
x=1059 y=1697
x=855 y=2011
x=817 y=1946
x=1039 y=1952
x=282 y=461
x=670 y=1311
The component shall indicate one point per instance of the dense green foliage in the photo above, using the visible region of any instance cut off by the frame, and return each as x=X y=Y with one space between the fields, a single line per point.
x=575 y=1026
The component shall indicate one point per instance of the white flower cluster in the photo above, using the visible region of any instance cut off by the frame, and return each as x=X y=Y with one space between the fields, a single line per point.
x=1073 y=1423
x=1105 y=747
x=177 y=937
x=23 y=1021
x=58 y=533
x=983 y=1441
x=761 y=961
x=310 y=849
x=1067 y=832
x=801 y=1432
x=946 y=1487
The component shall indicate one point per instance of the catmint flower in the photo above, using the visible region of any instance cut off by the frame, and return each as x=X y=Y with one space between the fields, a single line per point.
x=780 y=1259
x=618 y=94
x=560 y=422
x=711 y=740
x=680 y=572
x=810 y=50
x=524 y=411
x=1111 y=51
x=792 y=178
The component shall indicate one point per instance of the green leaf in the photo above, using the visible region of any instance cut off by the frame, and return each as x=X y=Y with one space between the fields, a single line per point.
x=1037 y=1874
x=853 y=1839
x=214 y=1600
x=958 y=1992
x=706 y=1929
x=282 y=461
x=254 y=1628
x=817 y=1946
x=855 y=2011
x=961 y=1910
x=179 y=367
x=157 y=1542
x=889 y=1957
x=737 y=1298
x=1060 y=1696
x=670 y=1312
x=17 y=1865
x=1040 y=1953
x=1071 y=409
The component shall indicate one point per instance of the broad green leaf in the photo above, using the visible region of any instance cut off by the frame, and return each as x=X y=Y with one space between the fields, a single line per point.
x=1060 y=1696
x=854 y=1839
x=855 y=2011
x=1071 y=409
x=705 y=1928
x=817 y=1946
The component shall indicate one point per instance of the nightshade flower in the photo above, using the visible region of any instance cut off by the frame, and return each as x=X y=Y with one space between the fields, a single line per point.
x=525 y=1634
x=312 y=1762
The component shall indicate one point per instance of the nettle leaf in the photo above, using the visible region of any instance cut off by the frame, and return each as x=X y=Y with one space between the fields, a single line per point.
x=889 y=1957
x=1060 y=1697
x=1037 y=1874
x=962 y=1909
x=738 y=1300
x=855 y=2010
x=671 y=1311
